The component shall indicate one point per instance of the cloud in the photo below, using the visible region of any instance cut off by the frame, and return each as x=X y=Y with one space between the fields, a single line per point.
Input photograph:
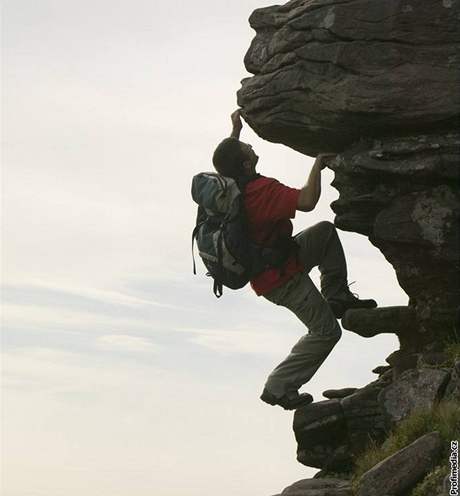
x=37 y=317
x=53 y=307
x=126 y=343
x=246 y=341
x=32 y=290
x=58 y=371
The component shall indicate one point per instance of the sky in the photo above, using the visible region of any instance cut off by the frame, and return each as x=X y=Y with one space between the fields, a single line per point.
x=122 y=374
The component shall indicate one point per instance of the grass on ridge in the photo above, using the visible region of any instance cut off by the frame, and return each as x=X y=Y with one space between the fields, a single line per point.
x=444 y=418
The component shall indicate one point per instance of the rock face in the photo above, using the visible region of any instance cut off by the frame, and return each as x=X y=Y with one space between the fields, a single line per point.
x=403 y=193
x=377 y=82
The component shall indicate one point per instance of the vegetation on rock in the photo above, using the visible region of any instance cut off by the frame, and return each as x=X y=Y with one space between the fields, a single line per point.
x=444 y=418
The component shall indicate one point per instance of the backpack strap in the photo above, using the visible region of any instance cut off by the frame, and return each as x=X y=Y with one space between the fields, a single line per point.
x=194 y=235
x=268 y=256
x=243 y=181
x=217 y=286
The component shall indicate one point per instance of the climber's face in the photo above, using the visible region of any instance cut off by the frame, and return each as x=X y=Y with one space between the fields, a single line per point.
x=250 y=158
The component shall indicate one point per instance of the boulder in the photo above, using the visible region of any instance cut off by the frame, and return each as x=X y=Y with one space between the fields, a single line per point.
x=319 y=487
x=401 y=471
x=415 y=389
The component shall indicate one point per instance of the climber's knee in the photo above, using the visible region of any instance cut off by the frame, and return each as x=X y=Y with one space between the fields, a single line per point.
x=326 y=225
x=335 y=334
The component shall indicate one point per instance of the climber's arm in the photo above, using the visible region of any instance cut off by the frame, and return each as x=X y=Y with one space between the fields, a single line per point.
x=310 y=193
x=236 y=124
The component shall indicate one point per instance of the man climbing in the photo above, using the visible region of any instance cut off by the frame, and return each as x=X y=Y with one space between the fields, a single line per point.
x=269 y=206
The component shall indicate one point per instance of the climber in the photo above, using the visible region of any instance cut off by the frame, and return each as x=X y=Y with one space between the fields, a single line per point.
x=269 y=205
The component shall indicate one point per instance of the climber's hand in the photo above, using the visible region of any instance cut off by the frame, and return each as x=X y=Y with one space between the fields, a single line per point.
x=236 y=124
x=236 y=116
x=322 y=159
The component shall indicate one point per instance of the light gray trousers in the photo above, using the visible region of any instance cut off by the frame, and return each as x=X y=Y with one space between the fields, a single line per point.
x=319 y=246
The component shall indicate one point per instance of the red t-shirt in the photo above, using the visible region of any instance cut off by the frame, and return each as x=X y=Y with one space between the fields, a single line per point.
x=269 y=206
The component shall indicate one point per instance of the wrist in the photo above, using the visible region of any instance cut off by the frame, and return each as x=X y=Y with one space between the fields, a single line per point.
x=235 y=133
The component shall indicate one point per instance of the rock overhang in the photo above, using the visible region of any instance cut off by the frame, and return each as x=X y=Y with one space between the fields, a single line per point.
x=327 y=74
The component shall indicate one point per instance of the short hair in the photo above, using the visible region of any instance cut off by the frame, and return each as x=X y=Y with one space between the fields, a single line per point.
x=228 y=158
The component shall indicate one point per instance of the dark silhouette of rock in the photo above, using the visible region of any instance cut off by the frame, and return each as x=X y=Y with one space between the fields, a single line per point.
x=331 y=433
x=401 y=361
x=370 y=322
x=364 y=416
x=381 y=369
x=338 y=393
x=401 y=471
x=322 y=436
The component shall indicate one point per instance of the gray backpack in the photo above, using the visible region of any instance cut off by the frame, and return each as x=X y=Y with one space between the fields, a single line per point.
x=221 y=233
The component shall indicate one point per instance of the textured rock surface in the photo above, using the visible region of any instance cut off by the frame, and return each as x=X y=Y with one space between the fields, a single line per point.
x=453 y=388
x=402 y=470
x=434 y=358
x=319 y=487
x=414 y=389
x=328 y=73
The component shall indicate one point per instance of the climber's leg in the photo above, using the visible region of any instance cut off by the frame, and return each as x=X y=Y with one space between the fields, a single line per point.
x=300 y=296
x=320 y=247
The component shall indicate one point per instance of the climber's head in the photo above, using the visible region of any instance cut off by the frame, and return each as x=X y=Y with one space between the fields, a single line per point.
x=233 y=158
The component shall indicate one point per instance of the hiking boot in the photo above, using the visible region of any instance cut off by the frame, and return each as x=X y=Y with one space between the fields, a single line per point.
x=340 y=305
x=289 y=401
